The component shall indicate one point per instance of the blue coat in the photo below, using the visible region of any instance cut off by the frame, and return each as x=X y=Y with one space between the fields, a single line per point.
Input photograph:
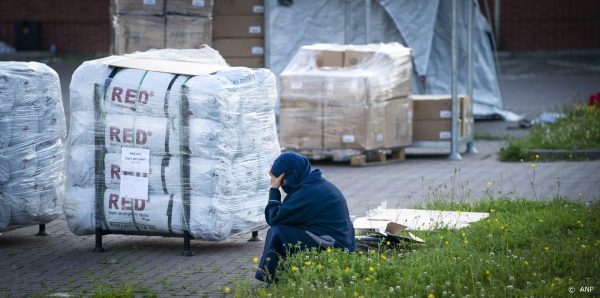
x=312 y=204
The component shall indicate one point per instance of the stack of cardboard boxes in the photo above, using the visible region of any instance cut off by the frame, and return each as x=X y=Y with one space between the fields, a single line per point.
x=433 y=117
x=347 y=97
x=238 y=32
x=139 y=25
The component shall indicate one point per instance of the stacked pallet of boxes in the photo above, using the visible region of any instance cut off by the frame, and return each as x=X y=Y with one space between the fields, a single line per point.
x=139 y=25
x=32 y=135
x=433 y=117
x=347 y=97
x=238 y=32
x=209 y=134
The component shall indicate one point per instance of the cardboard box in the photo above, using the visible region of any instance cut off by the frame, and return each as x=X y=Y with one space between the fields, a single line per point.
x=239 y=7
x=258 y=62
x=238 y=26
x=354 y=57
x=301 y=124
x=240 y=47
x=432 y=107
x=138 y=33
x=434 y=130
x=465 y=107
x=399 y=122
x=190 y=7
x=301 y=86
x=330 y=59
x=185 y=32
x=139 y=7
x=439 y=106
x=354 y=127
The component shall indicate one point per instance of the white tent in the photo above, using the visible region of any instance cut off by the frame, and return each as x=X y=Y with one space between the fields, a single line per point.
x=425 y=26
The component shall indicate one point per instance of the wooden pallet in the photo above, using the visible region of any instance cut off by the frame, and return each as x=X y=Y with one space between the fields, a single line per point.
x=355 y=157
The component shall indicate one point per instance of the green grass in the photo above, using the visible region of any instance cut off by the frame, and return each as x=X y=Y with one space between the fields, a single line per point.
x=579 y=129
x=524 y=248
x=120 y=290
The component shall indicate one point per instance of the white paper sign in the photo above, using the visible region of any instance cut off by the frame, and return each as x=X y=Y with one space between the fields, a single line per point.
x=444 y=135
x=135 y=169
x=257 y=50
x=258 y=9
x=296 y=85
x=254 y=29
x=199 y=3
x=445 y=114
x=348 y=139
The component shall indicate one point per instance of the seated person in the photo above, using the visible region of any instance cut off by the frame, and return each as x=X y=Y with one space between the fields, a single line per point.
x=314 y=213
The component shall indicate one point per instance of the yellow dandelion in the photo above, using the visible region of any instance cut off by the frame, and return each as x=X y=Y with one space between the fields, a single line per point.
x=552 y=286
x=227 y=290
x=501 y=227
x=255 y=260
x=537 y=156
x=346 y=269
x=371 y=268
x=355 y=294
x=367 y=279
x=329 y=250
x=383 y=257
x=431 y=295
x=446 y=242
x=294 y=268
x=307 y=263
x=583 y=246
x=466 y=241
x=489 y=184
x=533 y=166
x=319 y=266
x=526 y=263
x=546 y=248
x=388 y=243
x=492 y=210
x=488 y=273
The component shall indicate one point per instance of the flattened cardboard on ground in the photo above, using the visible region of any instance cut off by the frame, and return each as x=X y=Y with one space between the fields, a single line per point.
x=238 y=26
x=240 y=47
x=417 y=219
x=239 y=7
x=188 y=32
x=190 y=7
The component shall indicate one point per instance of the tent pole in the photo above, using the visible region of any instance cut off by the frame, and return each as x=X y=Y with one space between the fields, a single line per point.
x=471 y=144
x=454 y=155
x=368 y=21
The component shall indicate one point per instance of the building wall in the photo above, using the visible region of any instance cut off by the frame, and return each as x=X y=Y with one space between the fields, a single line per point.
x=73 y=26
x=525 y=25
x=546 y=25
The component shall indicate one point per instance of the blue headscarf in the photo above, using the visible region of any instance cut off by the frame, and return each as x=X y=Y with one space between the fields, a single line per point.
x=296 y=168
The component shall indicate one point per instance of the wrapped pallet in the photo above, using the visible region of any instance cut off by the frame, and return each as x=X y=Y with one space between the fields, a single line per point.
x=156 y=132
x=347 y=97
x=32 y=135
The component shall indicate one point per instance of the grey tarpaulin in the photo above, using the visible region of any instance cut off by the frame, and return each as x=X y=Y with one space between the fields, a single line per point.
x=423 y=26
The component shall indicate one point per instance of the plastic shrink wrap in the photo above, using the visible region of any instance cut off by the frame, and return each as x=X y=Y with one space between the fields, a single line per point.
x=229 y=146
x=32 y=153
x=354 y=97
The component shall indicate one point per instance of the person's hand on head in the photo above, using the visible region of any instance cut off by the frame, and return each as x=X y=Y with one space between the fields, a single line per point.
x=276 y=181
